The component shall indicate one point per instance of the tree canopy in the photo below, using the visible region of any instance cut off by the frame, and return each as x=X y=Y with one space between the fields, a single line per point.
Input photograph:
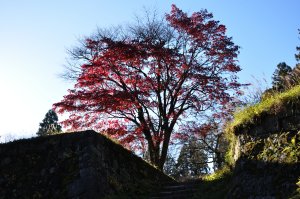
x=142 y=84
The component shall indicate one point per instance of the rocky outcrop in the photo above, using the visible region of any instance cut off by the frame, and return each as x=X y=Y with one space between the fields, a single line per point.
x=74 y=165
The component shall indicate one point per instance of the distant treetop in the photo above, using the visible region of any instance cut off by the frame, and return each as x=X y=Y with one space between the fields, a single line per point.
x=49 y=125
x=279 y=75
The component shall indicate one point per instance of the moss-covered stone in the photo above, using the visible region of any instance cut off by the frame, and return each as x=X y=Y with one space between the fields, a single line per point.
x=282 y=148
x=264 y=151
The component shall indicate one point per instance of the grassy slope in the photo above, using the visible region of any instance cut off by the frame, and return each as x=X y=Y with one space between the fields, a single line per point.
x=217 y=185
x=249 y=114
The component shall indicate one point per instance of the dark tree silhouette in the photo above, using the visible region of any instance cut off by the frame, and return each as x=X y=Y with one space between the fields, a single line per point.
x=141 y=85
x=192 y=161
x=49 y=125
x=278 y=78
x=297 y=56
x=170 y=167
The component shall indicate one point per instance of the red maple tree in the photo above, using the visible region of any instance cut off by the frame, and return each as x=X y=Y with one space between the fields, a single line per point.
x=142 y=85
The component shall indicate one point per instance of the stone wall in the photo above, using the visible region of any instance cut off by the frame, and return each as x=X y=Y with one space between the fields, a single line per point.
x=282 y=118
x=74 y=165
x=267 y=156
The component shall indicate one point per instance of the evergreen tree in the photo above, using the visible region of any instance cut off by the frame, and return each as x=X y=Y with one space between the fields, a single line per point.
x=279 y=76
x=170 y=166
x=192 y=160
x=49 y=125
x=297 y=56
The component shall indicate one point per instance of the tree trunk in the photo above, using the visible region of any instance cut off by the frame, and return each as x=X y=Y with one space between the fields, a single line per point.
x=158 y=159
x=157 y=156
x=154 y=155
x=164 y=150
x=218 y=160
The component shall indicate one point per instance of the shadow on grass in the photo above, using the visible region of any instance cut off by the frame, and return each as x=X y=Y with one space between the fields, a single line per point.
x=215 y=186
x=253 y=179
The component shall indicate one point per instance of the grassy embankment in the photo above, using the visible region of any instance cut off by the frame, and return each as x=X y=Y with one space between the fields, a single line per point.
x=217 y=184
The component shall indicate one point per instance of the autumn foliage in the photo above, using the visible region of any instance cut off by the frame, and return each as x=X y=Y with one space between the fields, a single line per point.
x=141 y=85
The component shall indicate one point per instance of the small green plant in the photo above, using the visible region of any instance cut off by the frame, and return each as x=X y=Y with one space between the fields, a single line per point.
x=282 y=147
x=296 y=194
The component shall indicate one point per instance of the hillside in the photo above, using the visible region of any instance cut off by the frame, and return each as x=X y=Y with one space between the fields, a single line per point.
x=264 y=153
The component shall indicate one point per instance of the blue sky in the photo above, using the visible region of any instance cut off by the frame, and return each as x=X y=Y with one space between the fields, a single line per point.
x=34 y=36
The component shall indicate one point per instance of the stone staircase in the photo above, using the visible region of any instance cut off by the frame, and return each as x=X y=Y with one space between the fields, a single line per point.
x=179 y=190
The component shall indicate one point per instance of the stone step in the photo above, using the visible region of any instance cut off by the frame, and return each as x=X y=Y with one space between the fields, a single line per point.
x=176 y=191
x=182 y=189
x=172 y=197
x=189 y=184
x=185 y=191
x=190 y=195
x=178 y=187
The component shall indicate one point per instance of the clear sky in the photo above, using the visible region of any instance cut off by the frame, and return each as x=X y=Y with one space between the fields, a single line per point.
x=34 y=36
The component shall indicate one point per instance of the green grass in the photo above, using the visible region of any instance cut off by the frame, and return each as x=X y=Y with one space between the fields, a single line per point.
x=219 y=174
x=272 y=103
x=215 y=186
